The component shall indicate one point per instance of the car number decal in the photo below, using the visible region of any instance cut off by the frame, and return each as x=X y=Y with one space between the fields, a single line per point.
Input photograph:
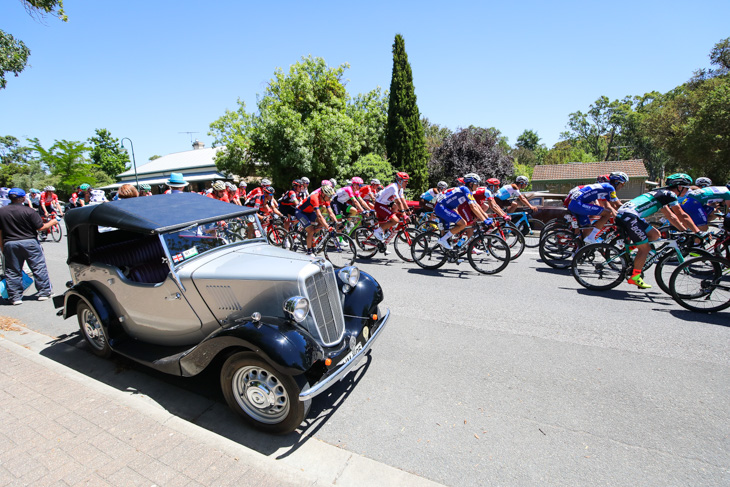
x=350 y=355
x=191 y=252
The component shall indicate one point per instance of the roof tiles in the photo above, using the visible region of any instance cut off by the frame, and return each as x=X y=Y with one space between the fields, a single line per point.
x=588 y=170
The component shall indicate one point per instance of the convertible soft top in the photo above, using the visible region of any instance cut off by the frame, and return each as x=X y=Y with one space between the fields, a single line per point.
x=154 y=214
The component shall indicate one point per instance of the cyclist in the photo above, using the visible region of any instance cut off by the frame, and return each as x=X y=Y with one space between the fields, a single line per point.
x=289 y=201
x=49 y=201
x=260 y=190
x=583 y=203
x=703 y=182
x=603 y=178
x=309 y=212
x=347 y=199
x=631 y=217
x=484 y=197
x=390 y=199
x=145 y=189
x=510 y=193
x=370 y=192
x=34 y=199
x=700 y=204
x=219 y=192
x=432 y=196
x=232 y=193
x=242 y=191
x=458 y=208
x=305 y=187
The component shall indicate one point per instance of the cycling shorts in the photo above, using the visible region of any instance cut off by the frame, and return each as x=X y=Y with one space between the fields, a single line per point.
x=583 y=210
x=635 y=227
x=306 y=219
x=383 y=212
x=446 y=214
x=697 y=211
x=288 y=210
x=465 y=212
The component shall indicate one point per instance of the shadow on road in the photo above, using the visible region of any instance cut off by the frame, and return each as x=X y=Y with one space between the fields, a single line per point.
x=199 y=399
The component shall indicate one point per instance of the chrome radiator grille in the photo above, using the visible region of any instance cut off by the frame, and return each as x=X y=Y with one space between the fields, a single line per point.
x=325 y=306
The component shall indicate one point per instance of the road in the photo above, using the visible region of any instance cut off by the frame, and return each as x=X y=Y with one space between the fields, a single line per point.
x=522 y=378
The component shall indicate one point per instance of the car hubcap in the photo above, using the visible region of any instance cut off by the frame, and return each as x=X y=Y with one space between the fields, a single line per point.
x=93 y=331
x=260 y=394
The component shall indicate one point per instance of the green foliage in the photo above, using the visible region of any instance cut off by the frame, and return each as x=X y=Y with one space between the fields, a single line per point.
x=67 y=162
x=473 y=149
x=435 y=135
x=528 y=140
x=11 y=152
x=524 y=170
x=369 y=112
x=107 y=154
x=565 y=152
x=31 y=175
x=405 y=137
x=596 y=131
x=371 y=166
x=13 y=56
x=152 y=158
x=233 y=131
x=54 y=7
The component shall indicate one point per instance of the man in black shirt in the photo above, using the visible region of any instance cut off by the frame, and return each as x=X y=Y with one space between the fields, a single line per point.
x=19 y=227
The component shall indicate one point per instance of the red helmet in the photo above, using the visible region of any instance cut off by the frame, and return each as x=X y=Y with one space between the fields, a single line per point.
x=493 y=181
x=402 y=176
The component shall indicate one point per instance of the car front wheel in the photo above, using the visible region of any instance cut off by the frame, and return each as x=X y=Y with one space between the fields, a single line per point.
x=264 y=397
x=93 y=330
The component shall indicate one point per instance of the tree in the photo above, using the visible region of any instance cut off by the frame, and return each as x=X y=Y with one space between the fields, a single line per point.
x=11 y=152
x=369 y=112
x=528 y=140
x=107 y=154
x=14 y=53
x=435 y=135
x=529 y=151
x=564 y=152
x=405 y=139
x=66 y=161
x=473 y=149
x=371 y=166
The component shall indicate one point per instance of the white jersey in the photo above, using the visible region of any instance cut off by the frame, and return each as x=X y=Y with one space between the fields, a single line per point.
x=388 y=195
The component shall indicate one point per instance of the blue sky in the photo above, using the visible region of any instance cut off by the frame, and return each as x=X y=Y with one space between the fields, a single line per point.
x=149 y=70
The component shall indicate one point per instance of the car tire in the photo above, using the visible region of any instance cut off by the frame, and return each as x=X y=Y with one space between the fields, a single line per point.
x=93 y=330
x=265 y=398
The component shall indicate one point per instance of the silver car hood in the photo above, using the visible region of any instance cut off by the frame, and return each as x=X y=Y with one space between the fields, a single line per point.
x=253 y=278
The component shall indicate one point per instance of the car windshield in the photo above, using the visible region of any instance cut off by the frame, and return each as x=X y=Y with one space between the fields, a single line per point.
x=195 y=240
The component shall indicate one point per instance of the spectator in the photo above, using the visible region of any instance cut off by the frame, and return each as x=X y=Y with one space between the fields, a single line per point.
x=176 y=183
x=127 y=191
x=19 y=227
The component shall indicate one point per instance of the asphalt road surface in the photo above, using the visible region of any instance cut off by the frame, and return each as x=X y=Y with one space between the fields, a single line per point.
x=522 y=378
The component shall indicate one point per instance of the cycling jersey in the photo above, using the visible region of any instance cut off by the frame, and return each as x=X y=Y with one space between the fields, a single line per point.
x=48 y=198
x=649 y=203
x=481 y=194
x=507 y=192
x=255 y=192
x=596 y=191
x=287 y=199
x=368 y=193
x=97 y=196
x=345 y=194
x=224 y=197
x=697 y=203
x=313 y=202
x=447 y=208
x=432 y=195
x=390 y=194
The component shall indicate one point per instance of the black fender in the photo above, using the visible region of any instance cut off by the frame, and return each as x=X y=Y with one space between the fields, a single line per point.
x=363 y=299
x=286 y=347
x=86 y=292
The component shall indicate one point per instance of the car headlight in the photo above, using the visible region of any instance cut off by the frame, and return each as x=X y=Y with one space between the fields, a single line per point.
x=350 y=275
x=297 y=307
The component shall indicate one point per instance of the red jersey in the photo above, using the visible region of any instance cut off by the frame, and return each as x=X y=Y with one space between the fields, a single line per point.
x=48 y=198
x=313 y=202
x=368 y=193
x=481 y=194
x=224 y=197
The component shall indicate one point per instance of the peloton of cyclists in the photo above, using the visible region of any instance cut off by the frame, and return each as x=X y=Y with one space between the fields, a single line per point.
x=370 y=192
x=347 y=201
x=309 y=212
x=448 y=208
x=432 y=196
x=700 y=204
x=510 y=194
x=289 y=201
x=584 y=199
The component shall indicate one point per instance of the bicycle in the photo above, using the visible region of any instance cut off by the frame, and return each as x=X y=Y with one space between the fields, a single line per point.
x=337 y=248
x=702 y=284
x=510 y=234
x=559 y=245
x=401 y=234
x=487 y=253
x=530 y=228
x=55 y=231
x=603 y=266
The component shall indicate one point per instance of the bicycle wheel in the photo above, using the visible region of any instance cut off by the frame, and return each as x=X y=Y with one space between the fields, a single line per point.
x=599 y=266
x=56 y=232
x=366 y=242
x=402 y=244
x=668 y=263
x=531 y=230
x=276 y=235
x=427 y=252
x=427 y=226
x=514 y=238
x=557 y=248
x=295 y=241
x=702 y=284
x=488 y=254
x=339 y=249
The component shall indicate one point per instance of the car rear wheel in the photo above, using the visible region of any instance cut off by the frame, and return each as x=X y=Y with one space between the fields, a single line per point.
x=93 y=330
x=265 y=398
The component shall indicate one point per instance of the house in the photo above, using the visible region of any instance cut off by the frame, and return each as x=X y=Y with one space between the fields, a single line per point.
x=561 y=178
x=197 y=166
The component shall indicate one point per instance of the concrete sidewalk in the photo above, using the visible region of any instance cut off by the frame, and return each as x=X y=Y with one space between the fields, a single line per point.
x=61 y=427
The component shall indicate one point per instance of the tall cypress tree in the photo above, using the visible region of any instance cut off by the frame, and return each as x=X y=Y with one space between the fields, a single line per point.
x=405 y=140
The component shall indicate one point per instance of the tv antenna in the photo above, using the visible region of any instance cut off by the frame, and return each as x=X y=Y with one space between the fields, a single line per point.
x=191 y=135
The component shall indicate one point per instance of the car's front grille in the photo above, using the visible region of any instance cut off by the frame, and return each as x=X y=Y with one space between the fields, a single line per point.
x=325 y=306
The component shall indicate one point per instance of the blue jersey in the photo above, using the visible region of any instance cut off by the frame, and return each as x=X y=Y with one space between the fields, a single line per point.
x=596 y=191
x=457 y=197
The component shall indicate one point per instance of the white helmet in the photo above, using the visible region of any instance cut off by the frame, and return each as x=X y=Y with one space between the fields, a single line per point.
x=265 y=182
x=522 y=180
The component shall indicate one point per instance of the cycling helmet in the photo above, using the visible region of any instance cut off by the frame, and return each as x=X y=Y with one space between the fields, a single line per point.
x=603 y=178
x=522 y=180
x=618 y=177
x=145 y=187
x=49 y=188
x=472 y=178
x=326 y=182
x=85 y=187
x=356 y=180
x=402 y=176
x=305 y=180
x=34 y=191
x=242 y=184
x=703 y=182
x=265 y=182
x=230 y=186
x=334 y=182
x=493 y=181
x=376 y=181
x=296 y=182
x=442 y=185
x=269 y=190
x=679 y=179
x=328 y=191
x=219 y=186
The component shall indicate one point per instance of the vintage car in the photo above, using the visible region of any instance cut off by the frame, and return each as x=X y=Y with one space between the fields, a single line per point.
x=182 y=282
x=549 y=205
